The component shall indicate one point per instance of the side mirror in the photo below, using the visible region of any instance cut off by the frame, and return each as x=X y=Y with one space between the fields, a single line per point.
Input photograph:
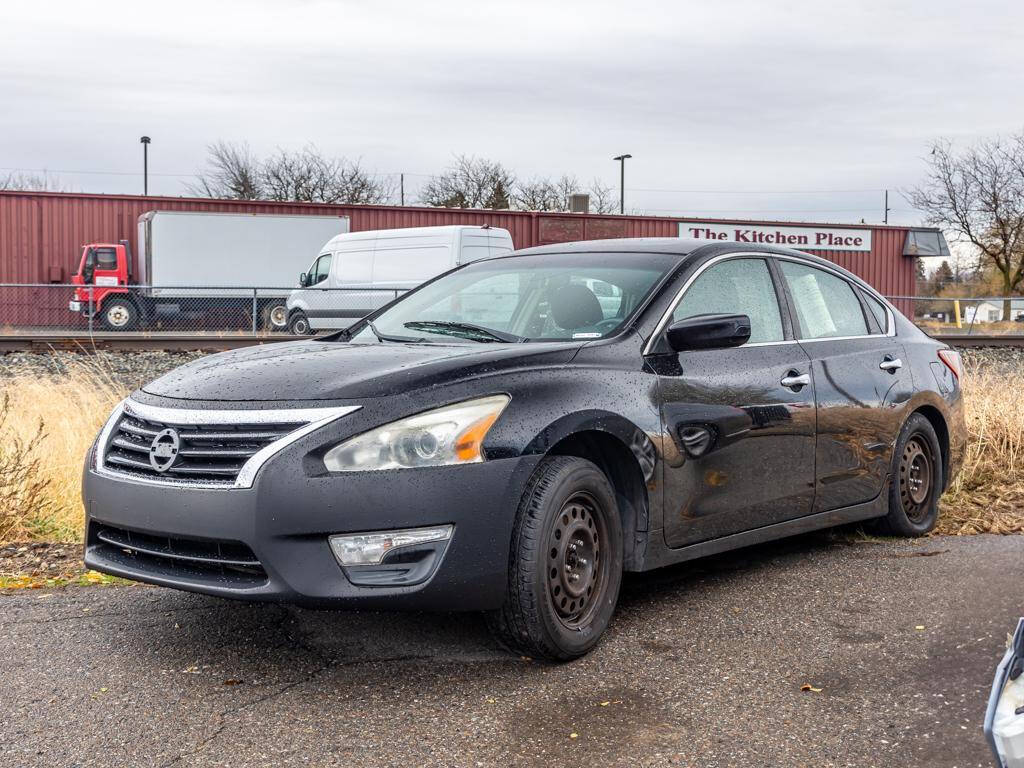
x=708 y=332
x=303 y=280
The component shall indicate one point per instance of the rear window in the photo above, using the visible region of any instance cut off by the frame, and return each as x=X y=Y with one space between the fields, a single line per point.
x=105 y=258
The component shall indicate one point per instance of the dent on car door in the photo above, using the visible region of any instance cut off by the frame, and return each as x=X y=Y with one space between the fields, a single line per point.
x=861 y=382
x=738 y=443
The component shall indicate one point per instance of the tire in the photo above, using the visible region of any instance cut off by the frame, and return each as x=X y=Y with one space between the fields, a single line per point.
x=565 y=562
x=274 y=317
x=917 y=481
x=298 y=324
x=118 y=314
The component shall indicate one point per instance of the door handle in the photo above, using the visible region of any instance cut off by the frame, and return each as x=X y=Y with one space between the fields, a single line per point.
x=891 y=364
x=795 y=380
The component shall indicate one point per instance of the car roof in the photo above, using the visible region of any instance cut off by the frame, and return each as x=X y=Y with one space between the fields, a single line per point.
x=680 y=246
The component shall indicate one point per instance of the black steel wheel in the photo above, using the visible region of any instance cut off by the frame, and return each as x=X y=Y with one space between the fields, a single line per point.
x=298 y=325
x=575 y=568
x=565 y=563
x=917 y=480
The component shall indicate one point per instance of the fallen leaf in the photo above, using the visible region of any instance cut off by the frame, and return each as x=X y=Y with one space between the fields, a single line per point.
x=574 y=735
x=103 y=690
x=233 y=681
x=809 y=687
x=605 y=703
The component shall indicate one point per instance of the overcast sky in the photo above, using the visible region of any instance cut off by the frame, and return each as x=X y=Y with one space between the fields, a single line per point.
x=764 y=97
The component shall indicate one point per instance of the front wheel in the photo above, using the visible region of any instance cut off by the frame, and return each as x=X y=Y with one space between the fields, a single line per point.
x=298 y=324
x=565 y=564
x=917 y=480
x=119 y=314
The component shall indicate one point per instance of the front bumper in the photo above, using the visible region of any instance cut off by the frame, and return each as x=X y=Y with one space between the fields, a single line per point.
x=285 y=520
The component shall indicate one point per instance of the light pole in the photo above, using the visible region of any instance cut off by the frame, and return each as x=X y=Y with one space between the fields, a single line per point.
x=622 y=181
x=145 y=164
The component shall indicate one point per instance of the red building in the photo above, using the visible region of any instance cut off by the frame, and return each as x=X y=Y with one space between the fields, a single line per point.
x=41 y=233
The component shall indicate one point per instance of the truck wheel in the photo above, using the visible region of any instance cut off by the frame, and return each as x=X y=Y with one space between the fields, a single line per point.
x=274 y=317
x=565 y=564
x=119 y=314
x=299 y=325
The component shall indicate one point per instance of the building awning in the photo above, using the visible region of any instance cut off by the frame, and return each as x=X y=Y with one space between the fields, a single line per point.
x=925 y=242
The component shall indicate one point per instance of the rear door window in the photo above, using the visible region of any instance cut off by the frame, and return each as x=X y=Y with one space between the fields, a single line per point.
x=826 y=305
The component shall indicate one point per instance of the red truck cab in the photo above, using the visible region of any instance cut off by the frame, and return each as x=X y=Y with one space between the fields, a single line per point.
x=102 y=280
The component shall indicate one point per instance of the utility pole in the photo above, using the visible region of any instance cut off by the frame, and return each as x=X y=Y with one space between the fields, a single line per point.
x=145 y=165
x=885 y=218
x=401 y=189
x=622 y=181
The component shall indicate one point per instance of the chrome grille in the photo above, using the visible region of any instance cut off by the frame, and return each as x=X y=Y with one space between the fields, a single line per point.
x=219 y=448
x=208 y=453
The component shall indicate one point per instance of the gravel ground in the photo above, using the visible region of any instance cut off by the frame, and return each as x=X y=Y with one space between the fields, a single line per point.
x=703 y=666
x=132 y=369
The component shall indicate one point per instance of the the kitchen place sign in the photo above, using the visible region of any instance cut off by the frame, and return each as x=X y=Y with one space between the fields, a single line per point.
x=810 y=238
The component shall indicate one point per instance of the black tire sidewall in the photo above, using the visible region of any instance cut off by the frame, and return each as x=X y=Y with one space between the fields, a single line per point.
x=897 y=520
x=561 y=641
x=293 y=322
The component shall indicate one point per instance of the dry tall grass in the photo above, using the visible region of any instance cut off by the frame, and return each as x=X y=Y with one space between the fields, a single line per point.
x=44 y=463
x=988 y=494
x=58 y=417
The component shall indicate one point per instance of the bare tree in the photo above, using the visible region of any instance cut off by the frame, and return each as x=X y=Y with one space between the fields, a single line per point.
x=545 y=194
x=32 y=182
x=978 y=193
x=553 y=195
x=306 y=176
x=470 y=183
x=232 y=173
x=603 y=198
x=310 y=176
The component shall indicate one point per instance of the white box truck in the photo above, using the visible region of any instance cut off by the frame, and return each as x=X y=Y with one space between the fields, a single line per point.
x=236 y=265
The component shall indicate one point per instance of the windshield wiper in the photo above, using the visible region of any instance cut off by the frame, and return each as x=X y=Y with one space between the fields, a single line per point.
x=464 y=331
x=381 y=337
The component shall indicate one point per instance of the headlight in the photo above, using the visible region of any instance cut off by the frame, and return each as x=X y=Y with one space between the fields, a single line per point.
x=450 y=435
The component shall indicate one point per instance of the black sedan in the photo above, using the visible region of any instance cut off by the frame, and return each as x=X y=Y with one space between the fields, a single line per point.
x=513 y=435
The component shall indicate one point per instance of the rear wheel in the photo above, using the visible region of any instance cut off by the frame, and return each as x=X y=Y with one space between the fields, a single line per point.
x=274 y=317
x=298 y=324
x=917 y=480
x=119 y=314
x=565 y=564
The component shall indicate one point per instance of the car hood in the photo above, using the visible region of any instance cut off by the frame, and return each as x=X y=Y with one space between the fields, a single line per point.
x=331 y=370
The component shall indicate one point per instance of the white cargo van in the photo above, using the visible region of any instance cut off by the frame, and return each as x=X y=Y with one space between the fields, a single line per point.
x=358 y=272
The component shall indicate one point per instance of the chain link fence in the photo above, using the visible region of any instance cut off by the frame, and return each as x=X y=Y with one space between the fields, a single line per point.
x=71 y=311
x=975 y=316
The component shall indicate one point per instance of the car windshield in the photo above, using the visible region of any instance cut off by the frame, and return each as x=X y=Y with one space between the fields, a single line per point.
x=543 y=297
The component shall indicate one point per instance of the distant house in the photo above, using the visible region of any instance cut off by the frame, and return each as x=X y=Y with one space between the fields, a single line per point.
x=992 y=311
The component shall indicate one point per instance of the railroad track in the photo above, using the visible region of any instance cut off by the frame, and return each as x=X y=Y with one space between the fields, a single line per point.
x=119 y=342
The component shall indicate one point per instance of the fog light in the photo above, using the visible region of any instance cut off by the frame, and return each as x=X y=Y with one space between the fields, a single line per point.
x=370 y=548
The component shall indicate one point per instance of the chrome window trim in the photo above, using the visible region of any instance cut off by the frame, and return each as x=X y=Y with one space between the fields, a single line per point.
x=663 y=323
x=315 y=418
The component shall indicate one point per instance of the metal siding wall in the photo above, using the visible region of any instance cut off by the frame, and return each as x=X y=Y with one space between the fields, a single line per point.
x=39 y=230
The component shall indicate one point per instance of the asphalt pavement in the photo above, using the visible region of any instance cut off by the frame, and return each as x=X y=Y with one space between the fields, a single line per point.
x=703 y=666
